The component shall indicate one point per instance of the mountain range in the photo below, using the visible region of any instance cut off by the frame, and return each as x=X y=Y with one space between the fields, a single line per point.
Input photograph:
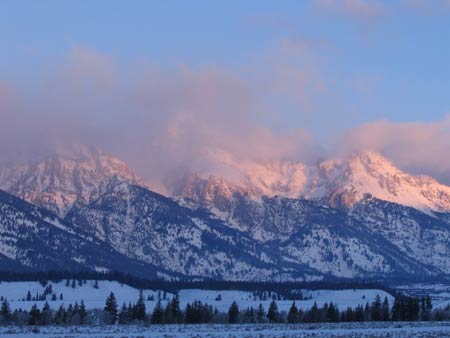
x=359 y=217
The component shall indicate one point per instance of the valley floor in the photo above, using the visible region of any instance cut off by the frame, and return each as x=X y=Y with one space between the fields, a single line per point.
x=372 y=329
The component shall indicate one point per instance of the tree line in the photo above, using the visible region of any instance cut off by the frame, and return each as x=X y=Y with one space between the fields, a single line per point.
x=404 y=308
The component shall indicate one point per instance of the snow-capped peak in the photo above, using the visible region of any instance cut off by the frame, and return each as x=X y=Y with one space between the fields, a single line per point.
x=64 y=177
x=340 y=183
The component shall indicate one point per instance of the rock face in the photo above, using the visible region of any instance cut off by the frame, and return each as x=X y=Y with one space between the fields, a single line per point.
x=282 y=239
x=152 y=228
x=355 y=218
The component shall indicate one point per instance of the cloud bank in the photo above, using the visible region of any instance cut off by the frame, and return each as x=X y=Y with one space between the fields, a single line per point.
x=167 y=123
x=161 y=122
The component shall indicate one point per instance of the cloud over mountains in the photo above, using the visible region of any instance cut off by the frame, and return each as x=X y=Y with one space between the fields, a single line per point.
x=166 y=122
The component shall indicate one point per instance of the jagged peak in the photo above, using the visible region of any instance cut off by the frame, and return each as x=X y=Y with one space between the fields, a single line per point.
x=336 y=182
x=65 y=177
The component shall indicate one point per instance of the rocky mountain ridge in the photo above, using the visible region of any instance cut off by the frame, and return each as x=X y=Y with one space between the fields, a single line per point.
x=359 y=218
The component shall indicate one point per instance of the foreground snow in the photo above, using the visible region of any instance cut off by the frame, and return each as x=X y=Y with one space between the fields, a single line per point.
x=400 y=330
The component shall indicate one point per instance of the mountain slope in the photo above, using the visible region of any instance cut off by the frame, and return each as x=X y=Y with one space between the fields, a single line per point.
x=421 y=236
x=273 y=238
x=338 y=218
x=156 y=229
x=35 y=239
x=386 y=239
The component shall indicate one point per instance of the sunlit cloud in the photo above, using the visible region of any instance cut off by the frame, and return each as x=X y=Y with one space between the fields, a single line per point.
x=417 y=147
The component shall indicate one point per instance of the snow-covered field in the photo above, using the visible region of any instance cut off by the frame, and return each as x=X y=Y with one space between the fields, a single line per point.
x=439 y=293
x=94 y=298
x=354 y=330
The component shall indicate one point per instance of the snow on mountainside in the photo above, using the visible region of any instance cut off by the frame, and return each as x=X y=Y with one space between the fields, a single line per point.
x=379 y=220
x=152 y=228
x=355 y=218
x=64 y=178
x=272 y=239
x=337 y=183
x=251 y=179
x=34 y=239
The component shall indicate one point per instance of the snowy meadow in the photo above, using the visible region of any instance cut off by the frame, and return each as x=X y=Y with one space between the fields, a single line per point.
x=329 y=330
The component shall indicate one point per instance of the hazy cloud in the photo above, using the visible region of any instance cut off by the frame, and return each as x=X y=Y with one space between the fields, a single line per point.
x=165 y=123
x=418 y=147
x=161 y=122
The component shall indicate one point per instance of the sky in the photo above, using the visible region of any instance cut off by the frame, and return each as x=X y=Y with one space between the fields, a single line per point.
x=178 y=85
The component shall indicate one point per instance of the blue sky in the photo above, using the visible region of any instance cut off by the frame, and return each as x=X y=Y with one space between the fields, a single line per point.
x=405 y=51
x=324 y=66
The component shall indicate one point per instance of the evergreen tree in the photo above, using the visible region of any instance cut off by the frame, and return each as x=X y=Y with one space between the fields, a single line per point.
x=28 y=296
x=385 y=312
x=172 y=312
x=46 y=315
x=272 y=314
x=429 y=305
x=197 y=313
x=139 y=308
x=123 y=314
x=375 y=310
x=397 y=309
x=332 y=313
x=249 y=316
x=130 y=311
x=426 y=308
x=349 y=315
x=82 y=312
x=48 y=290
x=367 y=312
x=111 y=309
x=158 y=313
x=189 y=315
x=233 y=313
x=359 y=314
x=314 y=314
x=413 y=308
x=6 y=311
x=60 y=316
x=260 y=314
x=74 y=315
x=34 y=317
x=293 y=315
